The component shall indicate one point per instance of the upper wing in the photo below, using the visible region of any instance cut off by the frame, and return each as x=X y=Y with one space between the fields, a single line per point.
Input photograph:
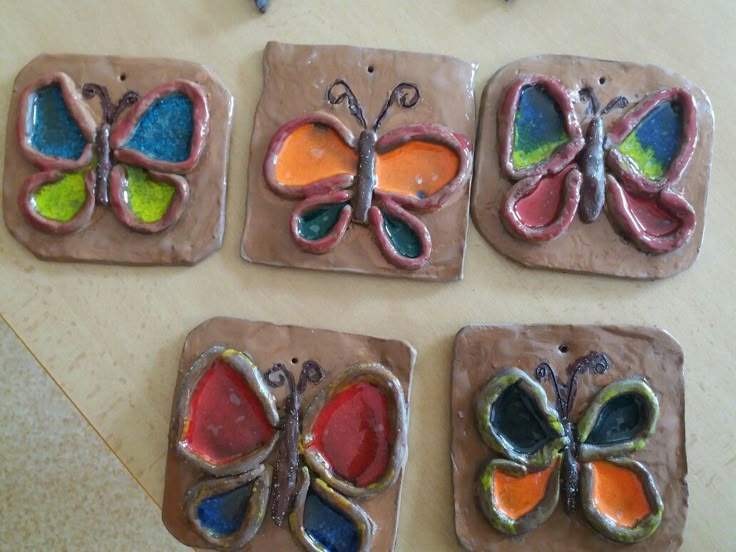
x=620 y=499
x=538 y=130
x=515 y=499
x=420 y=166
x=515 y=419
x=355 y=431
x=165 y=130
x=651 y=146
x=311 y=154
x=323 y=519
x=147 y=201
x=55 y=126
x=226 y=415
x=619 y=420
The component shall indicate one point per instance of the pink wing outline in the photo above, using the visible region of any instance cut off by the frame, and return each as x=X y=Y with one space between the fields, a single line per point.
x=124 y=129
x=334 y=236
x=657 y=218
x=558 y=170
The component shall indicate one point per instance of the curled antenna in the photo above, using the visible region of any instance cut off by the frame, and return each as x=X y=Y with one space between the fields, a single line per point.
x=279 y=375
x=405 y=94
x=356 y=110
x=311 y=373
x=587 y=95
x=90 y=90
x=128 y=99
x=618 y=102
x=543 y=372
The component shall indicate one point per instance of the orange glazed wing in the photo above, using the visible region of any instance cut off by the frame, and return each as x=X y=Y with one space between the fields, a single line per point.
x=312 y=154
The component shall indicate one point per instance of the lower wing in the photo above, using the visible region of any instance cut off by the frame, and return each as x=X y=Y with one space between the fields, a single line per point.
x=657 y=223
x=620 y=499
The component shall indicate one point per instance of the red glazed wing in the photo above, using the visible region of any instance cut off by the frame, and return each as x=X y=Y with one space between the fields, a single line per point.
x=539 y=137
x=658 y=223
x=310 y=155
x=355 y=431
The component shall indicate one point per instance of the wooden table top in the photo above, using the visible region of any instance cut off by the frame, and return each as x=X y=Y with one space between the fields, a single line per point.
x=111 y=336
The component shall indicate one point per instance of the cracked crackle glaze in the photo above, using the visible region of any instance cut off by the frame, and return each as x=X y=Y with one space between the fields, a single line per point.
x=255 y=488
x=348 y=212
x=634 y=355
x=133 y=157
x=539 y=199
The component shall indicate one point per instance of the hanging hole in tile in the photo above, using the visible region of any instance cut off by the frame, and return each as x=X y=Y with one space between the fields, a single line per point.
x=563 y=348
x=602 y=80
x=123 y=76
x=371 y=68
x=294 y=360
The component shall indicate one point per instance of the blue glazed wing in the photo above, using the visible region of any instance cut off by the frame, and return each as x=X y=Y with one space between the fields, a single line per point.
x=53 y=130
x=164 y=132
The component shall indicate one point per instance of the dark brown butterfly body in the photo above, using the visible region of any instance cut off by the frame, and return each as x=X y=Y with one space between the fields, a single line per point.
x=110 y=113
x=366 y=177
x=283 y=488
x=565 y=400
x=591 y=160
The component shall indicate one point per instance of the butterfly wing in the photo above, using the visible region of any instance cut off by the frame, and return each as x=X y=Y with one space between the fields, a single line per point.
x=418 y=167
x=520 y=490
x=226 y=426
x=160 y=138
x=55 y=132
x=619 y=496
x=320 y=221
x=539 y=137
x=323 y=519
x=355 y=431
x=650 y=148
x=314 y=154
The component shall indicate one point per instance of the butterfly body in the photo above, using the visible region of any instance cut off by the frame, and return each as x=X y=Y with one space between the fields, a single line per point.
x=366 y=178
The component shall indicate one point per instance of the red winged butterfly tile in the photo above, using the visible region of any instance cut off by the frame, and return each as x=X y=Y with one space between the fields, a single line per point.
x=260 y=460
x=633 y=167
x=385 y=182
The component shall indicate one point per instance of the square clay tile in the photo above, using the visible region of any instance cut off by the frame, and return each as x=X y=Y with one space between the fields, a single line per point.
x=482 y=351
x=296 y=83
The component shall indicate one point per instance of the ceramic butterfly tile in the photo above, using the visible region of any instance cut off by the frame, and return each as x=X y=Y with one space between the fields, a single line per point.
x=593 y=166
x=361 y=161
x=568 y=438
x=117 y=160
x=287 y=437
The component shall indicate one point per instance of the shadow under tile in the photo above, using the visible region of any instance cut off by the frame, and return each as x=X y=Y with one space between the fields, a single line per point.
x=61 y=488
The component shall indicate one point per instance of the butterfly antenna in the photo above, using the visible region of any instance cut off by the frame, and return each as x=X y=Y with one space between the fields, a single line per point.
x=405 y=94
x=356 y=110
x=543 y=372
x=278 y=376
x=618 y=102
x=312 y=373
x=596 y=363
x=128 y=99
x=90 y=90
x=587 y=95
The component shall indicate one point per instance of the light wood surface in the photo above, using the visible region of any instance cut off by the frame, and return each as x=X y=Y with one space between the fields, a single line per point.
x=111 y=336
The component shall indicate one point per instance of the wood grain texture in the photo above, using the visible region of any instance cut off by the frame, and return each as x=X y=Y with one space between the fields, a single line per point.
x=111 y=336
